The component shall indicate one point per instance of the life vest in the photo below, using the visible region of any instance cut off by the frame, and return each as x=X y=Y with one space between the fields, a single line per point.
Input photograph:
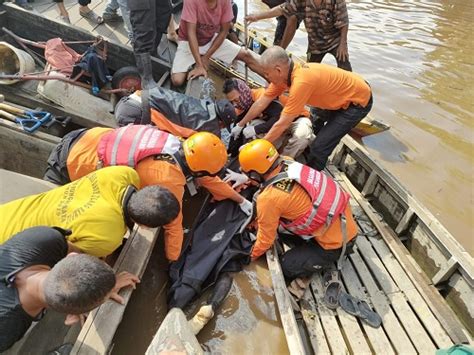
x=130 y=144
x=328 y=199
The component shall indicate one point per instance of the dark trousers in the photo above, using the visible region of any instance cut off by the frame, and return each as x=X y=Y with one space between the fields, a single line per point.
x=317 y=58
x=150 y=19
x=305 y=257
x=56 y=172
x=329 y=127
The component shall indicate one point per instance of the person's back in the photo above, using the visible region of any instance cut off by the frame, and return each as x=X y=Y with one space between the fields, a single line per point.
x=92 y=207
x=323 y=86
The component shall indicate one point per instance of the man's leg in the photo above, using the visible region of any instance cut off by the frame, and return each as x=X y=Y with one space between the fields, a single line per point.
x=330 y=135
x=251 y=59
x=110 y=12
x=301 y=135
x=305 y=259
x=279 y=30
x=183 y=60
x=343 y=64
x=316 y=57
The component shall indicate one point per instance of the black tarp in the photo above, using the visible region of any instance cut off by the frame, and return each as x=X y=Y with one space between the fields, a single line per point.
x=185 y=110
x=214 y=247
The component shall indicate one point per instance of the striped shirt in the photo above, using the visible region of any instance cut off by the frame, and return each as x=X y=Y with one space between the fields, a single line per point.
x=323 y=22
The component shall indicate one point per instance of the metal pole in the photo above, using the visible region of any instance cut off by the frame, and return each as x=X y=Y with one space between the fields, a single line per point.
x=246 y=38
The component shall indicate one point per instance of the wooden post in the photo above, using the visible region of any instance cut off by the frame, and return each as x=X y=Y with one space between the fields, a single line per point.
x=246 y=37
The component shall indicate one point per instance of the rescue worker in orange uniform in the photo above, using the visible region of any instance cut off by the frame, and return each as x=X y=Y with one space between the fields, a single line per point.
x=287 y=202
x=342 y=98
x=159 y=159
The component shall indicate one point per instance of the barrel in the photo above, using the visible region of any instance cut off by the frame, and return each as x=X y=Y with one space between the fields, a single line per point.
x=14 y=61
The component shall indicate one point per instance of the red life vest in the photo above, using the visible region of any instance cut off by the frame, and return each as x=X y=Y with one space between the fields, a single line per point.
x=328 y=199
x=130 y=144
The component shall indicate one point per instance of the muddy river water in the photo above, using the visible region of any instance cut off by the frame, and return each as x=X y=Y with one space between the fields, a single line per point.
x=418 y=57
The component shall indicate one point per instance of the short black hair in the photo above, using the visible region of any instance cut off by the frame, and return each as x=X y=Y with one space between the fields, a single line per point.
x=153 y=206
x=229 y=85
x=78 y=284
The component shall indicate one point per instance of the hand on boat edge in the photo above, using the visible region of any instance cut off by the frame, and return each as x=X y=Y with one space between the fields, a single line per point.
x=122 y=280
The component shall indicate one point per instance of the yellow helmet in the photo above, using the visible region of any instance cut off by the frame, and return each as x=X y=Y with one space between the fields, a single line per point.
x=259 y=155
x=205 y=153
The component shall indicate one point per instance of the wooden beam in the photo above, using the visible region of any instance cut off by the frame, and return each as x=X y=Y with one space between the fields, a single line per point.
x=97 y=333
x=369 y=185
x=311 y=318
x=404 y=223
x=293 y=337
x=446 y=271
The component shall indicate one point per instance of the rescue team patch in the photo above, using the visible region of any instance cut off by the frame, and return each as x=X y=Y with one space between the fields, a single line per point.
x=285 y=185
x=165 y=157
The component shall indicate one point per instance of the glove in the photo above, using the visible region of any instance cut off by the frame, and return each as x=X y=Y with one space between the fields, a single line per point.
x=249 y=132
x=238 y=178
x=235 y=132
x=247 y=207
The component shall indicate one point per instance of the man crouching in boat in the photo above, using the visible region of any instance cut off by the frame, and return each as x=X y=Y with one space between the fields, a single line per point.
x=99 y=208
x=296 y=138
x=38 y=273
x=158 y=157
x=296 y=199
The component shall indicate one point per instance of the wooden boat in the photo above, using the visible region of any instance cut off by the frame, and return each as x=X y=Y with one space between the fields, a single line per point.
x=406 y=266
x=85 y=109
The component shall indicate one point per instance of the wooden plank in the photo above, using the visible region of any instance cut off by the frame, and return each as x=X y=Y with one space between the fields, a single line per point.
x=330 y=325
x=433 y=325
x=404 y=223
x=446 y=271
x=378 y=340
x=23 y=152
x=313 y=324
x=369 y=185
x=293 y=337
x=430 y=294
x=98 y=331
x=353 y=332
x=393 y=328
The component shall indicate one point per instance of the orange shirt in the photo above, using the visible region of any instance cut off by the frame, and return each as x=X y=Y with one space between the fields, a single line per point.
x=83 y=159
x=323 y=86
x=164 y=124
x=290 y=203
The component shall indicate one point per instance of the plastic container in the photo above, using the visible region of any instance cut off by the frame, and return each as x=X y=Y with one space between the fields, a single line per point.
x=14 y=61
x=256 y=46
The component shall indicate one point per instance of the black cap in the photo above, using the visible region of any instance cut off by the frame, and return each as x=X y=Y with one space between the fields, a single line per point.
x=225 y=111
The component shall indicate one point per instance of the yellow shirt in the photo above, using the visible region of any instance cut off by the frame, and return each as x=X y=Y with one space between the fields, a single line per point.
x=91 y=207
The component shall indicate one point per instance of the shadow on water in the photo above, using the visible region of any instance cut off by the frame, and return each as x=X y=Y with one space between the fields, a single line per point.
x=388 y=146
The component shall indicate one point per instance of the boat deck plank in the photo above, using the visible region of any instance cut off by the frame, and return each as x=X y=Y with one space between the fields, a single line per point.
x=410 y=322
x=334 y=335
x=378 y=340
x=423 y=312
x=309 y=311
x=405 y=314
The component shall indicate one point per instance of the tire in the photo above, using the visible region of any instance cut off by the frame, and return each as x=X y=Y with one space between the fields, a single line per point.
x=127 y=78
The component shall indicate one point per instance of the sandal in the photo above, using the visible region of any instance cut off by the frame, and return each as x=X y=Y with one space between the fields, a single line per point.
x=360 y=309
x=332 y=289
x=91 y=15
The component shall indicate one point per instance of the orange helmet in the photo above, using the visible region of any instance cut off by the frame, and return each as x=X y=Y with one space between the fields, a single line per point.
x=205 y=153
x=259 y=155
